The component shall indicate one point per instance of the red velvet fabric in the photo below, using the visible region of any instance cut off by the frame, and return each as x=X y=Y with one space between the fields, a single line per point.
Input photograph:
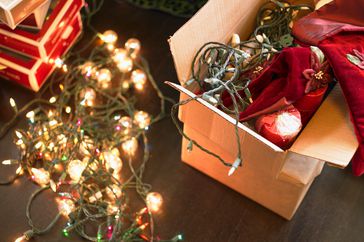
x=338 y=28
x=308 y=105
x=351 y=79
x=344 y=11
x=332 y=18
x=279 y=85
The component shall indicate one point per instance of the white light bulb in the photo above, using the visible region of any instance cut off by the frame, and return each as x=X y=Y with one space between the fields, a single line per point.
x=75 y=169
x=58 y=62
x=133 y=47
x=142 y=119
x=21 y=239
x=126 y=124
x=52 y=99
x=12 y=102
x=18 y=134
x=104 y=78
x=88 y=96
x=109 y=37
x=39 y=145
x=110 y=47
x=66 y=206
x=6 y=162
x=139 y=78
x=86 y=146
x=125 y=65
x=40 y=176
x=112 y=209
x=30 y=114
x=88 y=68
x=125 y=85
x=119 y=55
x=235 y=40
x=130 y=146
x=68 y=109
x=51 y=113
x=113 y=192
x=112 y=161
x=154 y=201
x=19 y=171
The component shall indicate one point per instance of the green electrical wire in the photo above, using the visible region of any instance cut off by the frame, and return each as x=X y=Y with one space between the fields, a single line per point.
x=56 y=138
x=219 y=68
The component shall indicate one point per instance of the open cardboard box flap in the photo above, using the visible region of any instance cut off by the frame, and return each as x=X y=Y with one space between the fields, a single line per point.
x=329 y=136
x=208 y=26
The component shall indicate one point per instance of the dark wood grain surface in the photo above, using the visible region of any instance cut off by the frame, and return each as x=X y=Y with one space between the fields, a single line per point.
x=199 y=207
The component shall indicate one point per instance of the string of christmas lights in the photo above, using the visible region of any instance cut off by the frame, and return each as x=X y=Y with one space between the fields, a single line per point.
x=88 y=144
x=218 y=68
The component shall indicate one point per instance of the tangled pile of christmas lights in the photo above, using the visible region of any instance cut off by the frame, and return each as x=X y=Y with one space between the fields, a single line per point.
x=88 y=144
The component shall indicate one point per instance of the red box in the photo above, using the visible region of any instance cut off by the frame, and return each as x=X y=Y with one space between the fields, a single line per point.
x=41 y=44
x=32 y=73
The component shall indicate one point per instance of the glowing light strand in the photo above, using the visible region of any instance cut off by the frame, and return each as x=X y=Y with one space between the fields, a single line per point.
x=60 y=127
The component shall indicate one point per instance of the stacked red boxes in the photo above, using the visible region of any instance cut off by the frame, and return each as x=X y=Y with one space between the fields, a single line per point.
x=28 y=57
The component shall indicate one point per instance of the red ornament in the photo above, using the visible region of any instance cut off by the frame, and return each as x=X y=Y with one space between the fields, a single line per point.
x=281 y=128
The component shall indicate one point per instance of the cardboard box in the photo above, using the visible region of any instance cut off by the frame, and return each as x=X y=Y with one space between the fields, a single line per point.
x=32 y=73
x=328 y=137
x=36 y=19
x=283 y=194
x=41 y=44
x=12 y=12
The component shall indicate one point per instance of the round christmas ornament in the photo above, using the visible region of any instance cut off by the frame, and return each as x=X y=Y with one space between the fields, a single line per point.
x=281 y=128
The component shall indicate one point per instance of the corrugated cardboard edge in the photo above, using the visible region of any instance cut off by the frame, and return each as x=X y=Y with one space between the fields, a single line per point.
x=330 y=124
x=225 y=116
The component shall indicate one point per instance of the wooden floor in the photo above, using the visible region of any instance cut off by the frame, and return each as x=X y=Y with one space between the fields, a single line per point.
x=199 y=207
